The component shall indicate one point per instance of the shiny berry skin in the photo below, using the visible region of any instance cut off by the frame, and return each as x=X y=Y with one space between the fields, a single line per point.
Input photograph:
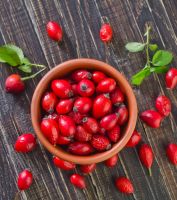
x=62 y=140
x=74 y=88
x=77 y=117
x=54 y=31
x=90 y=124
x=62 y=88
x=107 y=85
x=14 y=84
x=134 y=140
x=98 y=76
x=50 y=129
x=101 y=131
x=151 y=118
x=53 y=116
x=49 y=102
x=25 y=179
x=171 y=152
x=122 y=113
x=25 y=143
x=62 y=164
x=82 y=135
x=64 y=106
x=82 y=105
x=86 y=169
x=146 y=156
x=171 y=78
x=117 y=96
x=85 y=88
x=111 y=162
x=78 y=181
x=124 y=185
x=163 y=105
x=114 y=134
x=109 y=121
x=81 y=74
x=67 y=126
x=101 y=105
x=106 y=33
x=100 y=142
x=80 y=148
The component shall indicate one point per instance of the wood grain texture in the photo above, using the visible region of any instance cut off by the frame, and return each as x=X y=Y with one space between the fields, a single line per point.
x=23 y=22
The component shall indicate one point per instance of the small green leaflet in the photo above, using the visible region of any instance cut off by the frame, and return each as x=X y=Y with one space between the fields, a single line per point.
x=135 y=46
x=25 y=61
x=162 y=58
x=138 y=78
x=25 y=68
x=153 y=47
x=158 y=70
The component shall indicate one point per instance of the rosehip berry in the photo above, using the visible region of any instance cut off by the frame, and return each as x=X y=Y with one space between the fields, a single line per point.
x=106 y=85
x=54 y=31
x=111 y=162
x=14 y=84
x=86 y=169
x=114 y=134
x=82 y=105
x=62 y=140
x=62 y=88
x=85 y=88
x=25 y=143
x=49 y=102
x=106 y=32
x=122 y=113
x=134 y=140
x=50 y=129
x=82 y=135
x=78 y=181
x=171 y=152
x=53 y=116
x=117 y=96
x=100 y=142
x=163 y=105
x=124 y=185
x=74 y=88
x=90 y=124
x=80 y=148
x=64 y=106
x=171 y=78
x=101 y=105
x=25 y=179
x=81 y=74
x=98 y=76
x=77 y=117
x=109 y=121
x=101 y=131
x=67 y=126
x=151 y=118
x=62 y=164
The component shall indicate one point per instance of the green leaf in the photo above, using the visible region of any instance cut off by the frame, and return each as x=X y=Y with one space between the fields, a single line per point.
x=135 y=46
x=25 y=68
x=162 y=58
x=158 y=70
x=25 y=60
x=153 y=47
x=138 y=78
x=17 y=50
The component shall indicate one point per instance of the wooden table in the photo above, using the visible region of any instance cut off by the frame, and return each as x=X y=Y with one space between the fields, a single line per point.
x=23 y=22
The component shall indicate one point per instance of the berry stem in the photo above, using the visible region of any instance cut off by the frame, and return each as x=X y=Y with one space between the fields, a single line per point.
x=148 y=29
x=37 y=65
x=150 y=172
x=33 y=75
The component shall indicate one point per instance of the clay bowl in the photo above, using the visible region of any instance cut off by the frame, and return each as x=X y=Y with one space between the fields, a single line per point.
x=64 y=69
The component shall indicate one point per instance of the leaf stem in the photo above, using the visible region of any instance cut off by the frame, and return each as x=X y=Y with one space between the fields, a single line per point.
x=36 y=65
x=33 y=75
x=148 y=29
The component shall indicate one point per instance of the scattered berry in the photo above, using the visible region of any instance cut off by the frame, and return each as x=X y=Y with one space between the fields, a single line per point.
x=25 y=179
x=106 y=32
x=86 y=169
x=62 y=164
x=111 y=162
x=124 y=185
x=163 y=105
x=54 y=31
x=171 y=152
x=171 y=78
x=134 y=140
x=78 y=181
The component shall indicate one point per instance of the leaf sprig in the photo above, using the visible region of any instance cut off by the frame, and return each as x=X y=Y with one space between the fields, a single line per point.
x=157 y=64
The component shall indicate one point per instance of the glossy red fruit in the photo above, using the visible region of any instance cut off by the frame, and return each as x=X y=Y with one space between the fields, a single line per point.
x=25 y=179
x=25 y=143
x=98 y=76
x=111 y=162
x=49 y=102
x=101 y=105
x=122 y=113
x=100 y=142
x=53 y=116
x=114 y=134
x=74 y=88
x=82 y=135
x=62 y=164
x=124 y=185
x=86 y=169
x=106 y=32
x=50 y=129
x=107 y=85
x=78 y=181
x=14 y=84
x=77 y=117
x=163 y=105
x=117 y=96
x=151 y=118
x=81 y=74
x=101 y=131
x=109 y=121
x=62 y=88
x=90 y=124
x=62 y=140
x=80 y=148
x=64 y=106
x=134 y=140
x=82 y=105
x=85 y=88
x=54 y=31
x=67 y=126
x=146 y=156
x=171 y=78
x=171 y=152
